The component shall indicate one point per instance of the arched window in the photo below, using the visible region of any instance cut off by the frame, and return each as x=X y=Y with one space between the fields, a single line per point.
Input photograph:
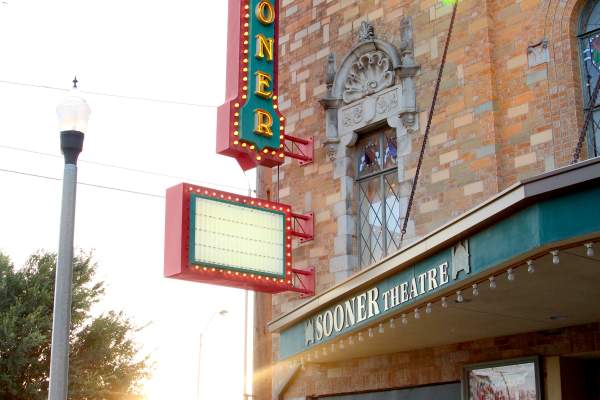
x=589 y=39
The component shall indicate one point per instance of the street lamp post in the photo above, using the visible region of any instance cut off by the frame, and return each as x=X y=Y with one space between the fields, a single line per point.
x=221 y=313
x=73 y=115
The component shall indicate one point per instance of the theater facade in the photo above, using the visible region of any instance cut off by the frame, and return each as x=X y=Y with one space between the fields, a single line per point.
x=490 y=287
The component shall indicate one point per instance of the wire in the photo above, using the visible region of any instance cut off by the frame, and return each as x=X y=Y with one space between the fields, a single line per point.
x=139 y=98
x=428 y=127
x=10 y=171
x=141 y=171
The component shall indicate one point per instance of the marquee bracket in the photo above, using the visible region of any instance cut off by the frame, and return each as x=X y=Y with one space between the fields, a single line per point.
x=300 y=149
x=303 y=226
x=304 y=281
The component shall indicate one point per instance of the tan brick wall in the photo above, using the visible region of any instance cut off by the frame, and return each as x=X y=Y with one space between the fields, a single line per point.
x=497 y=120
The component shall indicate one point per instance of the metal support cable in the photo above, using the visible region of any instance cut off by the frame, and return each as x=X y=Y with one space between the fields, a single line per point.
x=588 y=117
x=428 y=128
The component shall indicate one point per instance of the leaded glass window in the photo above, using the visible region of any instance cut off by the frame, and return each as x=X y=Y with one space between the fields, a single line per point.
x=589 y=40
x=379 y=221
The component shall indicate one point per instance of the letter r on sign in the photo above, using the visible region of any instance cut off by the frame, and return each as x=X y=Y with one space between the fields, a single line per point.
x=263 y=123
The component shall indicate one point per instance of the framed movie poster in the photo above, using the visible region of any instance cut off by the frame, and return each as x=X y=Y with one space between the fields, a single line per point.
x=517 y=379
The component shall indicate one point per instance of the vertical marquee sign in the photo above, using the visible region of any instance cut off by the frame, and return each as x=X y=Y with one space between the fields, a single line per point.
x=249 y=125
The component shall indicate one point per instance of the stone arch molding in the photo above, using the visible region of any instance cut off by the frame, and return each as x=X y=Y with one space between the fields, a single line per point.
x=374 y=82
x=374 y=85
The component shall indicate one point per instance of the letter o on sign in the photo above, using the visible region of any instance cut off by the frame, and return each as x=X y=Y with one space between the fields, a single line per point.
x=338 y=321
x=265 y=12
x=328 y=323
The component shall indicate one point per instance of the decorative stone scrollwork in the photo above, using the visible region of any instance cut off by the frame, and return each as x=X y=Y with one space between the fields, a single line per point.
x=331 y=146
x=366 y=31
x=371 y=73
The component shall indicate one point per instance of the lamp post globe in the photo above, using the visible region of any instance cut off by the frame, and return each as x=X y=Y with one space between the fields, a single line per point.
x=73 y=115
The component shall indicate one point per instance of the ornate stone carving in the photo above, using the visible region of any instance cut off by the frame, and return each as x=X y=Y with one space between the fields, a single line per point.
x=353 y=116
x=387 y=102
x=331 y=146
x=366 y=32
x=330 y=72
x=538 y=53
x=406 y=43
x=371 y=109
x=371 y=73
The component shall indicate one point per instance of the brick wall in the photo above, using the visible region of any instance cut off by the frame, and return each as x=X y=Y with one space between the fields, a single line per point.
x=437 y=365
x=501 y=115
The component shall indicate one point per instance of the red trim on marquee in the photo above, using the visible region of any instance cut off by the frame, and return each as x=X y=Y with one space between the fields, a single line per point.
x=177 y=238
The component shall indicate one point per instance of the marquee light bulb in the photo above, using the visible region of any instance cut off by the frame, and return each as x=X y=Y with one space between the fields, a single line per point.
x=417 y=314
x=492 y=282
x=351 y=340
x=429 y=308
x=342 y=347
x=324 y=351
x=360 y=337
x=510 y=275
x=370 y=332
x=444 y=303
x=530 y=267
x=555 y=257
x=381 y=328
x=333 y=347
x=459 y=296
x=392 y=323
x=589 y=249
x=475 y=290
x=404 y=320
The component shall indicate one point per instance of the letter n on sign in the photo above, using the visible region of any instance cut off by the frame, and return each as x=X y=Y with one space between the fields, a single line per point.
x=249 y=125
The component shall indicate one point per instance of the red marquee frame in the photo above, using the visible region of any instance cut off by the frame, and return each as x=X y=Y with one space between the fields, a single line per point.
x=177 y=244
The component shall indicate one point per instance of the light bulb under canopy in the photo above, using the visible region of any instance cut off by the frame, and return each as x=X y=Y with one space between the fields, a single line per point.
x=510 y=275
x=459 y=296
x=530 y=267
x=555 y=257
x=589 y=249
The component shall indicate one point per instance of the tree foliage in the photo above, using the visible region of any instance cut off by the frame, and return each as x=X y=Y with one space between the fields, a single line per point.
x=104 y=361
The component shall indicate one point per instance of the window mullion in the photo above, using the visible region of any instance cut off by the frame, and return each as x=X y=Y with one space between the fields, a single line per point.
x=383 y=214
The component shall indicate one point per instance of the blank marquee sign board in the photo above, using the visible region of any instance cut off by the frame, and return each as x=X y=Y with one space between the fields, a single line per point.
x=226 y=239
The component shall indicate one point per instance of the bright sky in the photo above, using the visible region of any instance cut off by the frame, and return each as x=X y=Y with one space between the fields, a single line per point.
x=171 y=50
